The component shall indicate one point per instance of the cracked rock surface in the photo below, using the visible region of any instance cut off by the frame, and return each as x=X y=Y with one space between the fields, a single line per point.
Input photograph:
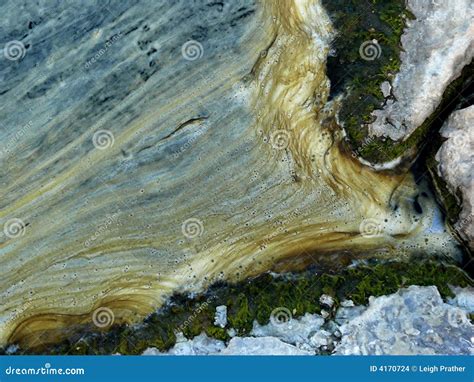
x=456 y=158
x=414 y=320
x=436 y=46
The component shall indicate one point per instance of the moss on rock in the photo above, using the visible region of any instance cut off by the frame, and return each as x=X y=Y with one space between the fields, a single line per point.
x=380 y=21
x=380 y=24
x=458 y=95
x=255 y=299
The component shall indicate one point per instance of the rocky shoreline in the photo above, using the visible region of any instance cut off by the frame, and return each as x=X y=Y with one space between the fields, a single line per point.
x=299 y=309
x=185 y=200
x=455 y=165
x=414 y=320
x=430 y=48
x=436 y=46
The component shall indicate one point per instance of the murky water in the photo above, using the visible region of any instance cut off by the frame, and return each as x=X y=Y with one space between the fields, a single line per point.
x=198 y=146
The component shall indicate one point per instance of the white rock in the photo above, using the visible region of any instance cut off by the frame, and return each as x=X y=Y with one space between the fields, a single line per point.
x=199 y=345
x=12 y=349
x=414 y=320
x=261 y=346
x=386 y=88
x=327 y=300
x=149 y=351
x=297 y=331
x=455 y=165
x=220 y=319
x=345 y=314
x=436 y=46
x=320 y=339
x=464 y=298
x=412 y=331
x=231 y=332
x=347 y=303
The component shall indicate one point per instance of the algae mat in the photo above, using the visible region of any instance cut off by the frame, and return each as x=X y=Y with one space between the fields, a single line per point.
x=149 y=147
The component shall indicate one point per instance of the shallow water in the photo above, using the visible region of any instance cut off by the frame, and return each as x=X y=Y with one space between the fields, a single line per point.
x=148 y=148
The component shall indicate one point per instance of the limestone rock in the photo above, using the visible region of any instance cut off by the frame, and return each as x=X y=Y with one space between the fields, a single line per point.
x=296 y=331
x=347 y=303
x=412 y=321
x=346 y=313
x=327 y=300
x=386 y=88
x=436 y=46
x=261 y=346
x=320 y=339
x=464 y=299
x=220 y=318
x=199 y=345
x=456 y=158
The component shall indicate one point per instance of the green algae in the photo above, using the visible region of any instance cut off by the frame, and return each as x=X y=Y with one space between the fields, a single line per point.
x=358 y=22
x=382 y=150
x=360 y=80
x=255 y=299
